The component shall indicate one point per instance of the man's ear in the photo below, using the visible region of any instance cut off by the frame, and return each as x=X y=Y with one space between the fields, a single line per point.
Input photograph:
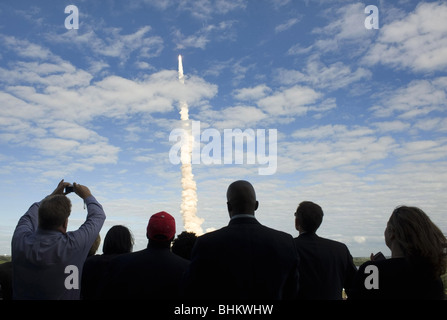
x=256 y=205
x=65 y=225
x=229 y=208
x=297 y=224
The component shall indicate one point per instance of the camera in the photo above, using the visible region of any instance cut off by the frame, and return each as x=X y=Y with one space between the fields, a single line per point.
x=69 y=189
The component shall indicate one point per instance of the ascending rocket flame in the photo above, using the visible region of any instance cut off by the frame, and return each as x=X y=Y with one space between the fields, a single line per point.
x=181 y=78
x=191 y=222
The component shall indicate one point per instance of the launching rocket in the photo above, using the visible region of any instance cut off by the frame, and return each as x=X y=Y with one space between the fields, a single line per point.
x=181 y=78
x=191 y=221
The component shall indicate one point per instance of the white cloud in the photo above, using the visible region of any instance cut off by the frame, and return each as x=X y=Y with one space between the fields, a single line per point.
x=296 y=100
x=346 y=27
x=334 y=131
x=25 y=48
x=417 y=42
x=203 y=9
x=199 y=9
x=391 y=126
x=254 y=93
x=68 y=130
x=51 y=108
x=192 y=41
x=423 y=150
x=359 y=239
x=112 y=96
x=417 y=99
x=109 y=42
x=232 y=117
x=331 y=77
x=347 y=22
x=332 y=146
x=298 y=49
x=286 y=25
x=53 y=146
x=436 y=124
x=200 y=39
x=61 y=74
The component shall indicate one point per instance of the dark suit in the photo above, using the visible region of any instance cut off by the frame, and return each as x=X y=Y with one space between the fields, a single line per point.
x=244 y=260
x=6 y=280
x=326 y=267
x=152 y=273
x=95 y=269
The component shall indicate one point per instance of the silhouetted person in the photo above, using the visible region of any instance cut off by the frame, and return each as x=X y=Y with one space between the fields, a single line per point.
x=418 y=259
x=244 y=260
x=152 y=273
x=118 y=240
x=6 y=280
x=326 y=266
x=47 y=260
x=183 y=244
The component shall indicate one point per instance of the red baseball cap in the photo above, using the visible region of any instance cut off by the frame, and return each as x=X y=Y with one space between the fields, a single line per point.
x=161 y=227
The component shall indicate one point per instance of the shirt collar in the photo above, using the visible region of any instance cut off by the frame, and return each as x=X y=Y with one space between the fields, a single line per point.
x=237 y=216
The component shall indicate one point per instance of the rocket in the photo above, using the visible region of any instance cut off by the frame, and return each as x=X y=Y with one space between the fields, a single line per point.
x=180 y=70
x=188 y=207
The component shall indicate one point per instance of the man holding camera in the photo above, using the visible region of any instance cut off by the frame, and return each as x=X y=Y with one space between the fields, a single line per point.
x=47 y=260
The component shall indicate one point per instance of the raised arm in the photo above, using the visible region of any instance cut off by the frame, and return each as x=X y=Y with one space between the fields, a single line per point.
x=29 y=221
x=89 y=230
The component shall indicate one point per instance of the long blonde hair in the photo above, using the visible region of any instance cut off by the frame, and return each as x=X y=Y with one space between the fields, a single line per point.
x=419 y=238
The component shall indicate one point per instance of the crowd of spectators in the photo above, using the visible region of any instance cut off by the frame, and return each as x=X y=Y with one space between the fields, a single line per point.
x=243 y=260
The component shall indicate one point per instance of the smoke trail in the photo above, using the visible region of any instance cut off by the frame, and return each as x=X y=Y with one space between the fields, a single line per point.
x=191 y=222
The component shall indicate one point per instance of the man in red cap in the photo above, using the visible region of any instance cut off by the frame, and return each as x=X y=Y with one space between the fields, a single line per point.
x=152 y=273
x=161 y=228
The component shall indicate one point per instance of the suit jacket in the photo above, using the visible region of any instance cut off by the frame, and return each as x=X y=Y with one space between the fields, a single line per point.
x=152 y=273
x=326 y=267
x=6 y=280
x=95 y=269
x=244 y=260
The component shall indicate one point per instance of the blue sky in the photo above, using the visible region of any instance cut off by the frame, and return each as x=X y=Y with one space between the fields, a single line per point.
x=360 y=113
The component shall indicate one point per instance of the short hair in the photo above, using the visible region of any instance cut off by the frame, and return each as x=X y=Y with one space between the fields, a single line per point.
x=309 y=215
x=53 y=211
x=118 y=240
x=183 y=244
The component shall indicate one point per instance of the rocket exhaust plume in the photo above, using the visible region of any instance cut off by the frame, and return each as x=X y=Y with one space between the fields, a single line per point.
x=191 y=221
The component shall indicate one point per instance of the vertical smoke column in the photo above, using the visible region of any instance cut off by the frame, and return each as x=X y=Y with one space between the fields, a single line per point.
x=191 y=222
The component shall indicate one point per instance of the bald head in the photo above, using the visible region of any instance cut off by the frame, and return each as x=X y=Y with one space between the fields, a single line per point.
x=241 y=198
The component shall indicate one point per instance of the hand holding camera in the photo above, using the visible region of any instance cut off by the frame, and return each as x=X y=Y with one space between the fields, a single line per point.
x=66 y=188
x=79 y=189
x=69 y=189
x=61 y=187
